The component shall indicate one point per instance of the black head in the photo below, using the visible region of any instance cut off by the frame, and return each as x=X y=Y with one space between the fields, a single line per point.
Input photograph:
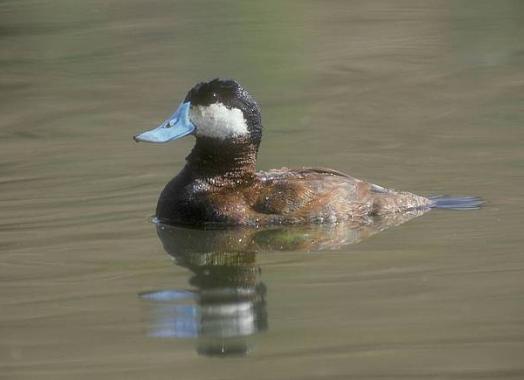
x=214 y=111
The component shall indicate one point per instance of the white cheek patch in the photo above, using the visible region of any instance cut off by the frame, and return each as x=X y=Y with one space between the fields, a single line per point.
x=218 y=121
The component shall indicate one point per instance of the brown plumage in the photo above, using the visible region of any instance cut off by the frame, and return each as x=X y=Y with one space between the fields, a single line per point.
x=219 y=186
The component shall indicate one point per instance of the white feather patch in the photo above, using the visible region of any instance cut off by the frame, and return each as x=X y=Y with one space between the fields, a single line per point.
x=218 y=121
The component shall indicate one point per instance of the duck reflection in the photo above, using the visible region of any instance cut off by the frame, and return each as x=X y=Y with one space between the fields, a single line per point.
x=228 y=303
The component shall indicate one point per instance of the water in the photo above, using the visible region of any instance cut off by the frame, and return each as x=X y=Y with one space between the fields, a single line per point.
x=420 y=97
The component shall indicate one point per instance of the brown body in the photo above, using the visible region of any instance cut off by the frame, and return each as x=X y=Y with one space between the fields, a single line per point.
x=219 y=185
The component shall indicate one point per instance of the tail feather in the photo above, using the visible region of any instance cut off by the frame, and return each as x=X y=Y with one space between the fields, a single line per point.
x=456 y=203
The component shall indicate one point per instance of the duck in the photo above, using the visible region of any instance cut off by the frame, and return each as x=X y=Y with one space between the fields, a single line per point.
x=220 y=185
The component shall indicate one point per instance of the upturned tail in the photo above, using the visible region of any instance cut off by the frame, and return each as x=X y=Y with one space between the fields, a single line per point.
x=456 y=203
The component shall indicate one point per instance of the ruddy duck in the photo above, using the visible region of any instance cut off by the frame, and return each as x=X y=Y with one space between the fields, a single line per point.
x=219 y=184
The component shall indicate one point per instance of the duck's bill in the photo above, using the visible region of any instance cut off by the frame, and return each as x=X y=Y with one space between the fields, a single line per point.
x=177 y=126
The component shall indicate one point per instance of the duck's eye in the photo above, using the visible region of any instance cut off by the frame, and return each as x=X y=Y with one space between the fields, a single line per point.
x=214 y=96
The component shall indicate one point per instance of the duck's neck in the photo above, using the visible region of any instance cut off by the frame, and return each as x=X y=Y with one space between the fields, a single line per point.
x=222 y=163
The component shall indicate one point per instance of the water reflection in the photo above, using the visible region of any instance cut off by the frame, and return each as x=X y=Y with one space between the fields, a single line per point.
x=228 y=304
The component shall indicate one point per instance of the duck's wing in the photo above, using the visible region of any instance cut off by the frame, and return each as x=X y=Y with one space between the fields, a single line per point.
x=311 y=194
